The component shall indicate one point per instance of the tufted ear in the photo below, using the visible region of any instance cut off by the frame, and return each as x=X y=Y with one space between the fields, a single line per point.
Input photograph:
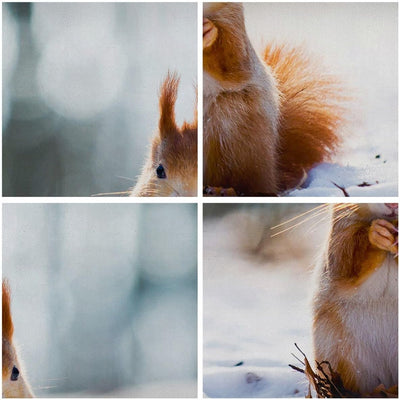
x=168 y=95
x=8 y=327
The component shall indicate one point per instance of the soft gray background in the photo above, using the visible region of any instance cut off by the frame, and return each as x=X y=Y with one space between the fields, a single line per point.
x=104 y=297
x=80 y=91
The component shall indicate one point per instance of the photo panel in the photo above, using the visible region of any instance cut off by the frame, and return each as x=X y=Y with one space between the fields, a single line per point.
x=90 y=90
x=102 y=298
x=300 y=99
x=300 y=300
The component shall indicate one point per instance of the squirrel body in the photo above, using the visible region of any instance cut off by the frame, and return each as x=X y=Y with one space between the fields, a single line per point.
x=266 y=121
x=355 y=313
x=14 y=383
x=171 y=167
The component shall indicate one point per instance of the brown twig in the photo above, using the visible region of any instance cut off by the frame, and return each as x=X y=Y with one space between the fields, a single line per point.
x=328 y=383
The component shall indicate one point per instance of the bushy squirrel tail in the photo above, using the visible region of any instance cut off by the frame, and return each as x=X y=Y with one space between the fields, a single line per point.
x=311 y=112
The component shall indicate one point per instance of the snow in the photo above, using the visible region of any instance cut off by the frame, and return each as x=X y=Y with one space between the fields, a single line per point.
x=261 y=382
x=257 y=303
x=326 y=179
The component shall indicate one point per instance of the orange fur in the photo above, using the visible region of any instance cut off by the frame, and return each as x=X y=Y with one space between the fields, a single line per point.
x=169 y=90
x=352 y=257
x=331 y=311
x=355 y=302
x=241 y=107
x=310 y=112
x=8 y=327
x=265 y=123
x=228 y=59
x=173 y=147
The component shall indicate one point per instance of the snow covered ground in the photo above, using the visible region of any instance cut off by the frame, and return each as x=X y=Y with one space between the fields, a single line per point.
x=357 y=42
x=257 y=301
x=367 y=179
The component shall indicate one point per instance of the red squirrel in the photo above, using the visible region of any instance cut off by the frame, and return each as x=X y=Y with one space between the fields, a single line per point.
x=355 y=309
x=266 y=121
x=171 y=167
x=15 y=383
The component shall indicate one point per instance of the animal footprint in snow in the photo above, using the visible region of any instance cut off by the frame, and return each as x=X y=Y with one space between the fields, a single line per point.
x=252 y=378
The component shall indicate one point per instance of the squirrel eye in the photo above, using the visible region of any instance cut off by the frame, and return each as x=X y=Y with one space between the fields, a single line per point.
x=161 y=172
x=14 y=373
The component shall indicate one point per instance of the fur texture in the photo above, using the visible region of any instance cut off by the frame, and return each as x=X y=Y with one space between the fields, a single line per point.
x=355 y=303
x=266 y=121
x=174 y=148
x=14 y=382
x=310 y=114
x=241 y=108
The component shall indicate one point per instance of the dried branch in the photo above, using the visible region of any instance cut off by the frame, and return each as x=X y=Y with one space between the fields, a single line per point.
x=328 y=383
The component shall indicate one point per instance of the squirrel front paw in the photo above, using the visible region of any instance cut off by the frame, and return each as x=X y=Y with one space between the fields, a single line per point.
x=210 y=33
x=383 y=235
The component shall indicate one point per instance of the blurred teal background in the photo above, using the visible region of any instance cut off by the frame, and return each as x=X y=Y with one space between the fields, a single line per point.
x=104 y=297
x=80 y=91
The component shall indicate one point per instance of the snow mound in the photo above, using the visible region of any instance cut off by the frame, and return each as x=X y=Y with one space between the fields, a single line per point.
x=242 y=381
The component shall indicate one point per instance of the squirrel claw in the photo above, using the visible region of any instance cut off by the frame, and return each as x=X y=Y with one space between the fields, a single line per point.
x=381 y=236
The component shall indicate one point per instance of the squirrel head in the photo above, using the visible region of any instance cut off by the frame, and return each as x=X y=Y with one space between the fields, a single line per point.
x=14 y=384
x=172 y=167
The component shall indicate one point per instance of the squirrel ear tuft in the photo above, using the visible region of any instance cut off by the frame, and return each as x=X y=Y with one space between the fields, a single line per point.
x=168 y=94
x=8 y=327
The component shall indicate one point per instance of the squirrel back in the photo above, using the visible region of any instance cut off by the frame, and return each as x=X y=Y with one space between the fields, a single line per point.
x=14 y=383
x=355 y=311
x=266 y=122
x=171 y=167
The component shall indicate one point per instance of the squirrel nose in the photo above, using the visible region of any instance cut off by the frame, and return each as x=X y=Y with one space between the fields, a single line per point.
x=392 y=206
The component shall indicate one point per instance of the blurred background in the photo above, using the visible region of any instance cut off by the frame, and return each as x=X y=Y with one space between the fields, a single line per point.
x=264 y=233
x=80 y=91
x=258 y=261
x=104 y=297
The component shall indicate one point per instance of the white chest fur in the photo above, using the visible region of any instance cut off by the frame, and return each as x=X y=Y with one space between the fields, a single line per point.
x=370 y=319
